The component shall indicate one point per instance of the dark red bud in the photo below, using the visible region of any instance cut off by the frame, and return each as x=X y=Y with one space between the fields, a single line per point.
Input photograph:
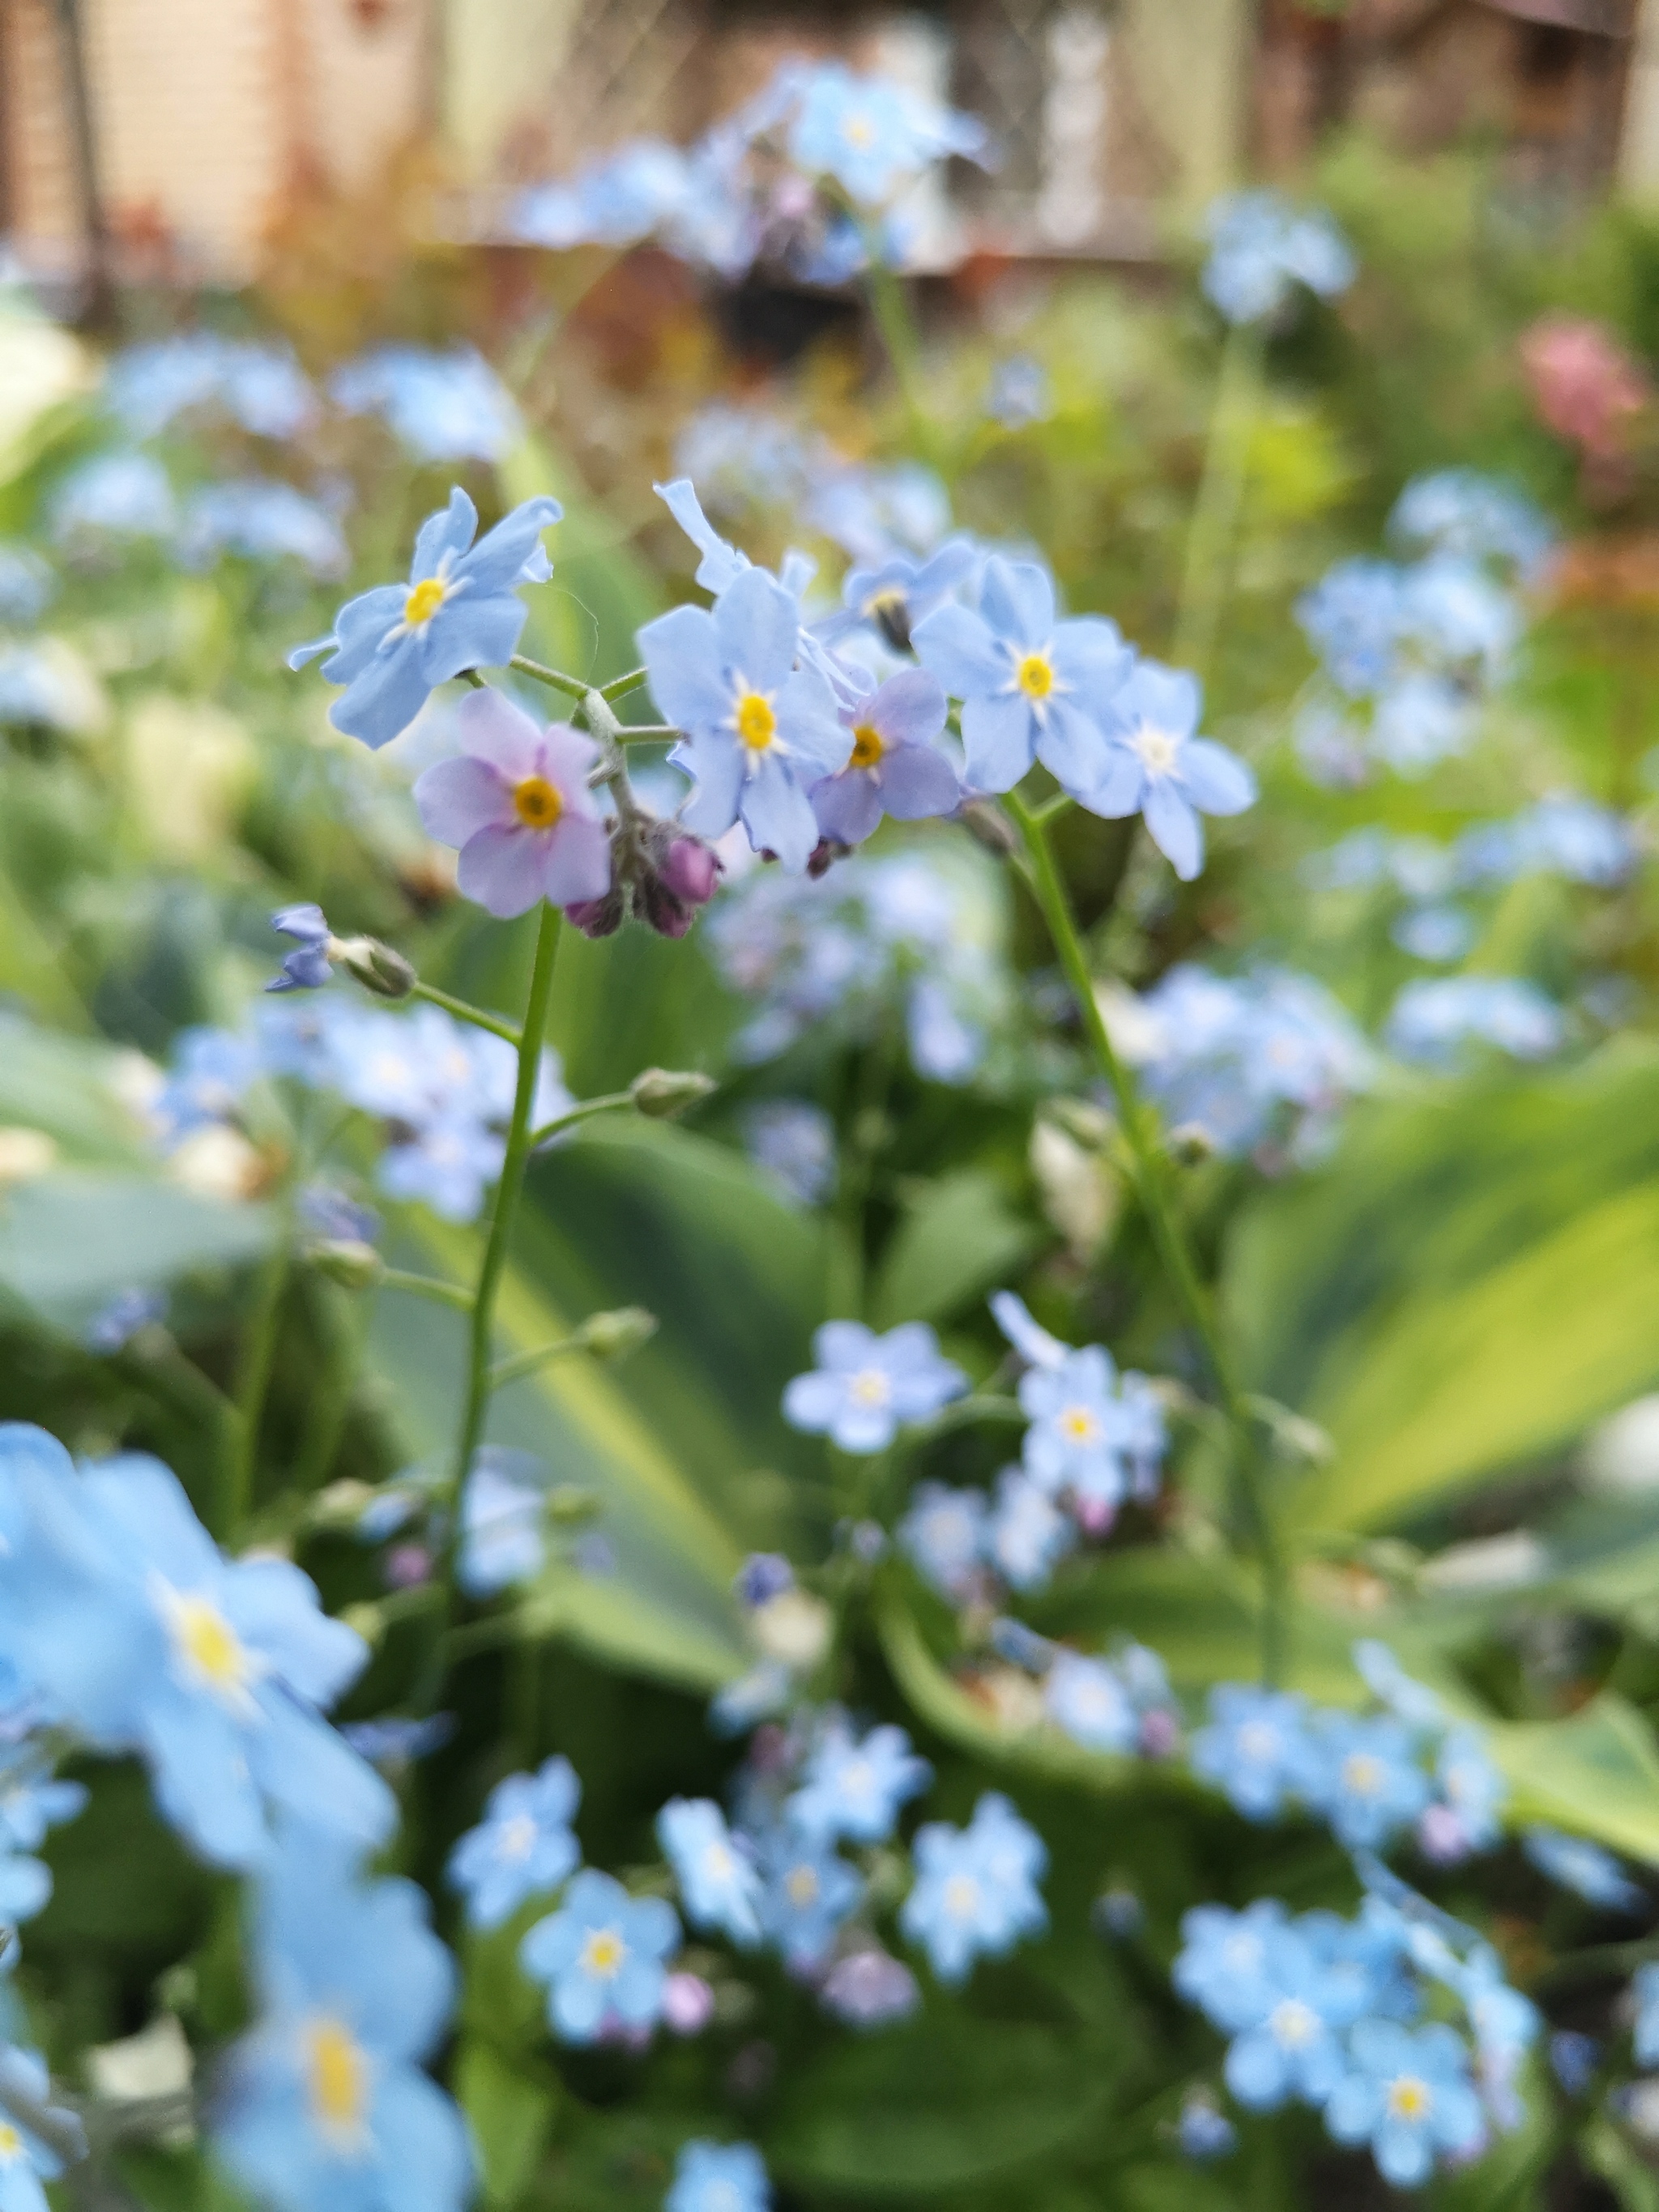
x=667 y=916
x=692 y=871
x=599 y=917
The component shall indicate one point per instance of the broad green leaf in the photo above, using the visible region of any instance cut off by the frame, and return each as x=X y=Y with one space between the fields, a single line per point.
x=510 y=2116
x=959 y=1237
x=68 y=1243
x=68 y=1087
x=1596 y=1773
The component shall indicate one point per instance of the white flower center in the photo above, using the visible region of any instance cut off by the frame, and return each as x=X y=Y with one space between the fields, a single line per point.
x=1157 y=750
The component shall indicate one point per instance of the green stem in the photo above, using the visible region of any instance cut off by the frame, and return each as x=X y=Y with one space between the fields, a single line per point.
x=427 y=1286
x=253 y=1380
x=518 y=1364
x=572 y=686
x=889 y=304
x=619 y=685
x=500 y=1231
x=1146 y=1157
x=610 y=1103
x=464 y=1013
x=1214 y=523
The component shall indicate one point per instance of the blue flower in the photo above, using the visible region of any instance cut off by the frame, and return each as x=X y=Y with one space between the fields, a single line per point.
x=1261 y=247
x=872 y=134
x=1027 y=1534
x=1256 y=1748
x=502 y=1521
x=1031 y=686
x=719 y=1887
x=942 y=1537
x=1435 y=1018
x=1364 y=1779
x=869 y=1988
x=111 y=495
x=1156 y=765
x=1035 y=1346
x=865 y=1388
x=1020 y=393
x=135 y=1627
x=32 y=1801
x=892 y=595
x=894 y=767
x=25 y=1887
x=1644 y=1989
x=522 y=1847
x=1226 y=1966
x=1473 y=1793
x=1479 y=517
x=1203 y=2130
x=1085 y=1700
x=710 y=2176
x=1562 y=835
x=448 y=1163
x=211 y=1070
x=975 y=1890
x=441 y=406
x=1354 y=617
x=759 y=732
x=27 y=584
x=1584 y=1868
x=853 y=1787
x=617 y=200
x=601 y=1958
x=1088 y=1435
x=1573 y=2060
x=117 y=1321
x=324 y=2106
x=25 y=2159
x=307 y=967
x=794 y=1141
x=394 y=646
x=263 y=387
x=1407 y=2095
x=810 y=1893
x=261 y=520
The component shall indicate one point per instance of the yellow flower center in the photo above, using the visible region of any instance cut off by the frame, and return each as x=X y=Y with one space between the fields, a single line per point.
x=1158 y=750
x=537 y=802
x=756 y=724
x=802 y=1885
x=868 y=746
x=1035 y=676
x=1362 y=1774
x=210 y=1648
x=961 y=1897
x=888 y=600
x=11 y=2143
x=337 y=2076
x=424 y=602
x=1080 y=1425
x=603 y=1953
x=859 y=130
x=870 y=1388
x=1409 y=2099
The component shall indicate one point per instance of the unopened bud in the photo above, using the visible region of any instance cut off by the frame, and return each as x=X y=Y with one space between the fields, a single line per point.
x=668 y=915
x=612 y=1335
x=662 y=1091
x=342 y=1505
x=1191 y=1144
x=824 y=855
x=356 y=1266
x=986 y=822
x=692 y=871
x=375 y=966
x=597 y=917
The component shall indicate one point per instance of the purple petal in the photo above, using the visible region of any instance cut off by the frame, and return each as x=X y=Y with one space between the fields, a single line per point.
x=997 y=733
x=909 y=708
x=459 y=798
x=757 y=623
x=681 y=652
x=917 y=781
x=564 y=756
x=1175 y=829
x=493 y=730
x=577 y=860
x=502 y=869
x=1018 y=599
x=960 y=648
x=1216 y=780
x=778 y=815
x=847 y=806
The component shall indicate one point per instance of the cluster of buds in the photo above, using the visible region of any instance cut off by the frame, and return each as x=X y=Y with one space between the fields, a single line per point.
x=660 y=873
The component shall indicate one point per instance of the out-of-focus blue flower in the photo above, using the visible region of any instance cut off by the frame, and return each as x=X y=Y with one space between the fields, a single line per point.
x=1155 y=765
x=1407 y=1698
x=1459 y=617
x=1353 y=617
x=211 y=1071
x=111 y=495
x=25 y=1887
x=1416 y=867
x=25 y=2159
x=711 y=2177
x=33 y=1799
x=1256 y=1748
x=810 y=1893
x=1035 y=1346
x=1479 y=518
x=720 y=1886
x=943 y=1536
x=116 y=1323
x=1584 y=1868
x=1091 y=1435
x=600 y=1957
x=448 y=1163
x=1260 y=247
x=893 y=596
x=27 y=585
x=1420 y=720
x=894 y=767
x=1407 y=2095
x=1573 y=2060
x=261 y=520
x=763 y=1577
x=865 y=1388
x=395 y=1741
x=522 y=1848
x=879 y=515
x=329 y=1213
x=1365 y=1778
x=1085 y=1700
x=1644 y=1989
x=1020 y=393
x=1562 y=834
x=794 y=1141
x=325 y=2103
x=1472 y=1793
x=853 y=1786
x=617 y=200
x=392 y=646
x=1203 y=2130
x=260 y=385
x=759 y=732
x=869 y=1988
x=440 y=406
x=307 y=968
x=871 y=134
x=503 y=1517
x=1434 y=1019
x=1226 y=1965
x=1440 y=934
x=135 y=1627
x=1031 y=685
x=976 y=1891
x=1294 y=2049
x=1026 y=1535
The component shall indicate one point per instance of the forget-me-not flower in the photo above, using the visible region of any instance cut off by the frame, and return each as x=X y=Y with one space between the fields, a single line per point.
x=853 y=1786
x=515 y=803
x=1032 y=687
x=1088 y=1435
x=810 y=1892
x=865 y=1388
x=1435 y=1018
x=711 y=2177
x=942 y=1537
x=600 y=1957
x=1365 y=1778
x=1226 y=1966
x=325 y=2102
x=1407 y=2092
x=1260 y=247
x=719 y=1885
x=392 y=646
x=1026 y=1533
x=1155 y=765
x=503 y=1514
x=1644 y=1989
x=871 y=134
x=441 y=406
x=307 y=968
x=1085 y=1700
x=892 y=595
x=522 y=1848
x=26 y=2161
x=894 y=767
x=976 y=1889
x=1255 y=1748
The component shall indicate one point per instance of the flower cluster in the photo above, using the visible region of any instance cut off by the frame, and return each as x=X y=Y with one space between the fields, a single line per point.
x=1435 y=1020
x=1261 y=248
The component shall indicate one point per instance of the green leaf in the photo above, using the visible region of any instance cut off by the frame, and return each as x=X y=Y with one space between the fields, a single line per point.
x=68 y=1243
x=1596 y=1773
x=959 y=1237
x=510 y=2117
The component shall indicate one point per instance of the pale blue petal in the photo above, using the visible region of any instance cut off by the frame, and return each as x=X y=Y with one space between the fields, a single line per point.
x=1216 y=780
x=681 y=655
x=757 y=623
x=961 y=649
x=1017 y=598
x=998 y=734
x=778 y=815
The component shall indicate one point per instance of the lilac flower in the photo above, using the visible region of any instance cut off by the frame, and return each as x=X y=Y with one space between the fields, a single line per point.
x=869 y=1988
x=515 y=803
x=719 y=1885
x=1155 y=765
x=1255 y=1748
x=759 y=731
x=394 y=646
x=1026 y=1535
x=307 y=968
x=942 y=1537
x=600 y=1957
x=976 y=1888
x=893 y=596
x=853 y=1787
x=894 y=768
x=710 y=2176
x=1031 y=686
x=1407 y=2095
x=810 y=1892
x=865 y=1388
x=522 y=1847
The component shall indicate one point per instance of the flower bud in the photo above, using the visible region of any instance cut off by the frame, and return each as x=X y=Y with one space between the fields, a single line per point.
x=599 y=917
x=984 y=820
x=375 y=966
x=824 y=855
x=345 y=1260
x=612 y=1335
x=663 y=1091
x=668 y=915
x=691 y=870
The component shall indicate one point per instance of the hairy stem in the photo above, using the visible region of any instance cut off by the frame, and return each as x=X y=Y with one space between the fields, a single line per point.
x=464 y=1013
x=1152 y=1181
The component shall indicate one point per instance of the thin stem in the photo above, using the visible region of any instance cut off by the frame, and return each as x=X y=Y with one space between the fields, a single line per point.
x=1148 y=1161
x=610 y=1103
x=1214 y=523
x=636 y=733
x=891 y=306
x=500 y=1231
x=464 y=1013
x=427 y=1286
x=253 y=1380
x=525 y=1363
x=620 y=684
x=572 y=686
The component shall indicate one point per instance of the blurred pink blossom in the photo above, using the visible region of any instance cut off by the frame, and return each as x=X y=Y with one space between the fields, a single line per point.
x=1585 y=386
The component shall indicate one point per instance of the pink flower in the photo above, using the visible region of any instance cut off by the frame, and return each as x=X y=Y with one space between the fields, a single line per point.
x=516 y=804
x=1585 y=386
